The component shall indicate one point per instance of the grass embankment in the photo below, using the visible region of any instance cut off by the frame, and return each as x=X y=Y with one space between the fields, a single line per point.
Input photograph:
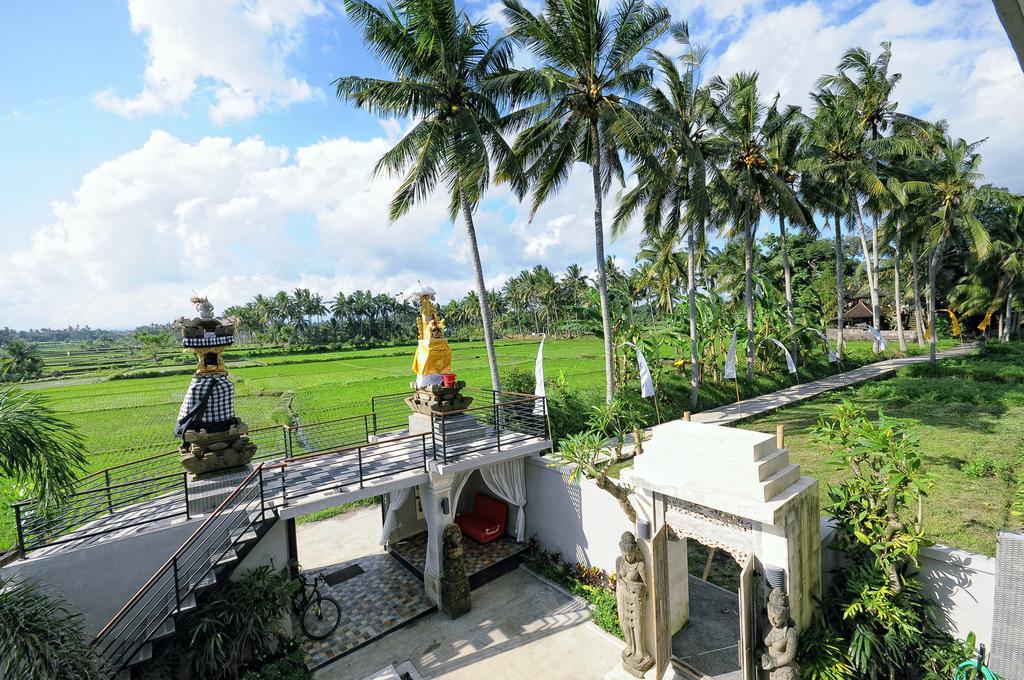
x=971 y=416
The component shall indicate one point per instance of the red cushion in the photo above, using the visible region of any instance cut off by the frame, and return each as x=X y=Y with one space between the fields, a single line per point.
x=491 y=508
x=479 y=529
x=487 y=521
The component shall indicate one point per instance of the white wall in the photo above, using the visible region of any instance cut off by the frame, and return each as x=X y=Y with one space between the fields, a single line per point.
x=579 y=520
x=962 y=583
x=965 y=583
x=100 y=579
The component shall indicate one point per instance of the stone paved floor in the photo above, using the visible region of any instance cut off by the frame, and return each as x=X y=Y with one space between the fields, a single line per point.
x=519 y=628
x=475 y=556
x=710 y=641
x=373 y=603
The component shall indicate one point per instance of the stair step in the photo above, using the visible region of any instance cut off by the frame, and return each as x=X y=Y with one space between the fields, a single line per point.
x=230 y=557
x=145 y=653
x=244 y=536
x=188 y=603
x=166 y=629
x=210 y=579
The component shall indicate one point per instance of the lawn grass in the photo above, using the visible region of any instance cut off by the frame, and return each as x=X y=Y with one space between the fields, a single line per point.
x=970 y=412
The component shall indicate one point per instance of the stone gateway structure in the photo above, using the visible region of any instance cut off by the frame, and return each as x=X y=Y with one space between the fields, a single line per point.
x=735 y=491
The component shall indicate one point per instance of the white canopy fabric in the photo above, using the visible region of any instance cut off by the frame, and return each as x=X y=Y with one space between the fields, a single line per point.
x=508 y=480
x=396 y=499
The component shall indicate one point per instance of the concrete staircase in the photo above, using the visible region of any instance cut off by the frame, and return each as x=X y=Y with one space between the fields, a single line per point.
x=221 y=569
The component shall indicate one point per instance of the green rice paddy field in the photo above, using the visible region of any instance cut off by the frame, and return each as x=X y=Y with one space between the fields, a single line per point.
x=122 y=420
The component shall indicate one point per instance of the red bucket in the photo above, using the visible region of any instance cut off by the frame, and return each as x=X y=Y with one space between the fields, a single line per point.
x=448 y=379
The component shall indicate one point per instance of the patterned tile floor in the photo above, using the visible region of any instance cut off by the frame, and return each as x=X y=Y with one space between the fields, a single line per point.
x=475 y=556
x=385 y=596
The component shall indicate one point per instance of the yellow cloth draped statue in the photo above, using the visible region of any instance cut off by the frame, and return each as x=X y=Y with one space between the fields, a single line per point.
x=433 y=356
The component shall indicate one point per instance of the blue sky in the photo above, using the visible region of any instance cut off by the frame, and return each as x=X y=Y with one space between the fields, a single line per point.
x=153 y=149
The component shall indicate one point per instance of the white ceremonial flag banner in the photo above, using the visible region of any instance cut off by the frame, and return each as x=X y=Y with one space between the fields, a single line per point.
x=646 y=382
x=790 y=366
x=540 y=407
x=880 y=343
x=730 y=359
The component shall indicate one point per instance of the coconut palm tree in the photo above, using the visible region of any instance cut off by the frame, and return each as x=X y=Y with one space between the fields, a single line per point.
x=675 y=159
x=38 y=449
x=785 y=150
x=583 y=106
x=951 y=198
x=441 y=60
x=20 y=361
x=747 y=127
x=836 y=173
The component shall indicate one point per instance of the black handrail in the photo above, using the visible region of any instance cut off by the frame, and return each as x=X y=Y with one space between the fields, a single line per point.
x=508 y=419
x=184 y=571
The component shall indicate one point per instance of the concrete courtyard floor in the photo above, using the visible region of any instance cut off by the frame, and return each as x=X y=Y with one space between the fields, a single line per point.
x=520 y=627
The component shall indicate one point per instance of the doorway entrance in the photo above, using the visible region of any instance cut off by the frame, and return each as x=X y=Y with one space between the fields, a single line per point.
x=707 y=646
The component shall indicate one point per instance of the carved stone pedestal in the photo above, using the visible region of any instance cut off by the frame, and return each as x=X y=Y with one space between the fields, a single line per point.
x=439 y=399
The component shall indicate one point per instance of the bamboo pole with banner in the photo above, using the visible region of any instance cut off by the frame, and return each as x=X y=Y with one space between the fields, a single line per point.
x=539 y=389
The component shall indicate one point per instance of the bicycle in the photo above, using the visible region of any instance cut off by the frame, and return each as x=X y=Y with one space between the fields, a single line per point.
x=975 y=669
x=318 y=614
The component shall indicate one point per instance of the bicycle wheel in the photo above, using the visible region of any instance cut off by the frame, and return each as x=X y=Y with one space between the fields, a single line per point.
x=320 y=617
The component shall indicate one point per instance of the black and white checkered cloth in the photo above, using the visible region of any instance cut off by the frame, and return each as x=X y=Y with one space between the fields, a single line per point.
x=221 y=404
x=209 y=341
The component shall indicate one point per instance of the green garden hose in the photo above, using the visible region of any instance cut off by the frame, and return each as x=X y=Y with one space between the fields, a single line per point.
x=970 y=670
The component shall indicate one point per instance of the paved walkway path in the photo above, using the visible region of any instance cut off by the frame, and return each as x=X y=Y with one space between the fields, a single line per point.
x=748 y=408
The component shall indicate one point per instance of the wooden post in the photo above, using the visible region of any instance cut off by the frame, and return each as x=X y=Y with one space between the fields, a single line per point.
x=780 y=436
x=686 y=415
x=707 y=565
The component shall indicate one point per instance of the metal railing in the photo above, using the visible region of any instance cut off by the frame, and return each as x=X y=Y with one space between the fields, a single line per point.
x=121 y=488
x=173 y=587
x=508 y=422
x=347 y=468
x=495 y=421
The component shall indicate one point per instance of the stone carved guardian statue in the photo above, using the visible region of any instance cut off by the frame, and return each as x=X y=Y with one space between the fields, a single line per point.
x=631 y=597
x=454 y=582
x=779 y=659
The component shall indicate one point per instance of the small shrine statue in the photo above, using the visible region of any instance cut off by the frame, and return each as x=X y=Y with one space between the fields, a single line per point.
x=437 y=391
x=631 y=597
x=433 y=356
x=212 y=437
x=779 y=658
x=454 y=582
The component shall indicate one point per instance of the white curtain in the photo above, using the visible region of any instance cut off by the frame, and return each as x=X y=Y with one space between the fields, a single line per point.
x=508 y=481
x=396 y=499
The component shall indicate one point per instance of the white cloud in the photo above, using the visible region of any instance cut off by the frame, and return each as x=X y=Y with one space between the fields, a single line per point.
x=234 y=218
x=235 y=50
x=953 y=56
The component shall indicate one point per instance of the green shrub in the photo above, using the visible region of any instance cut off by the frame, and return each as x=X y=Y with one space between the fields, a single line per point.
x=290 y=666
x=874 y=618
x=979 y=466
x=240 y=626
x=40 y=637
x=591 y=583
